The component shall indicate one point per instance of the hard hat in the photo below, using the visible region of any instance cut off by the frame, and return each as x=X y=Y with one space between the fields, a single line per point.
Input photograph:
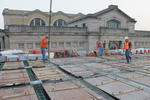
x=126 y=38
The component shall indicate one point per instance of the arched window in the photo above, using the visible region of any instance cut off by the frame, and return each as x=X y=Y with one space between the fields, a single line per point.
x=59 y=22
x=113 y=24
x=37 y=22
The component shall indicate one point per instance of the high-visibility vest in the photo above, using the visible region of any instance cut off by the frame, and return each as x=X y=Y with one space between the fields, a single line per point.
x=126 y=45
x=43 y=42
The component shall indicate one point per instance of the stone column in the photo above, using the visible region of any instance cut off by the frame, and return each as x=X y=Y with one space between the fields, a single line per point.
x=92 y=42
x=133 y=45
x=34 y=45
x=122 y=46
x=107 y=44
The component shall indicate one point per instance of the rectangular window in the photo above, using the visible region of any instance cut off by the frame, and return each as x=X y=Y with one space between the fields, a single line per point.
x=135 y=43
x=142 y=43
x=76 y=25
x=37 y=21
x=75 y=44
x=68 y=44
x=37 y=45
x=84 y=25
x=29 y=46
x=61 y=44
x=54 y=44
x=82 y=44
x=59 y=22
x=21 y=45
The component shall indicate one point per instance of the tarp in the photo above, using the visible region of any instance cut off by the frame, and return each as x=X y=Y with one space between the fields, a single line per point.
x=12 y=52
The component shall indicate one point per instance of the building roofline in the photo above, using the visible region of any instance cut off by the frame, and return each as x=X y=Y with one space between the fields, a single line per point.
x=7 y=11
x=110 y=8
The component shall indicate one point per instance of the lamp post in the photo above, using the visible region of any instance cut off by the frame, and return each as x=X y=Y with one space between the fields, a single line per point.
x=50 y=13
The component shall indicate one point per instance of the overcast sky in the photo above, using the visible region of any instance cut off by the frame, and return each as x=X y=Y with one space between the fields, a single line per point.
x=138 y=9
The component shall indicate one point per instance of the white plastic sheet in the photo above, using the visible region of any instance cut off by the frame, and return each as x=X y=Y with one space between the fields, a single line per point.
x=11 y=52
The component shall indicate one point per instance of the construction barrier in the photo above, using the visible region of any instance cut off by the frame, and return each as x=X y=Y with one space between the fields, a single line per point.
x=32 y=57
x=23 y=57
x=63 y=53
x=133 y=51
x=12 y=58
x=57 y=53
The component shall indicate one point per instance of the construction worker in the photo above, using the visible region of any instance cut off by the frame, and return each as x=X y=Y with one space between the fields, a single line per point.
x=127 y=47
x=43 y=47
x=100 y=48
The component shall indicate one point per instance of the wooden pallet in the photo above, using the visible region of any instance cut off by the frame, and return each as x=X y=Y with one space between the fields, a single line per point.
x=48 y=73
x=11 y=65
x=19 y=93
x=14 y=76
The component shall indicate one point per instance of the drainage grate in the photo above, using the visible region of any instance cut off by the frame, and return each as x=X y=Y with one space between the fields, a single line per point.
x=38 y=88
x=40 y=92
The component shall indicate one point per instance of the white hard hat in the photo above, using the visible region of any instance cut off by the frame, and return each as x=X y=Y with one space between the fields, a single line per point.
x=126 y=37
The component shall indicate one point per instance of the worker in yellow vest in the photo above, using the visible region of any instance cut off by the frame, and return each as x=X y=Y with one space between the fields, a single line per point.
x=127 y=47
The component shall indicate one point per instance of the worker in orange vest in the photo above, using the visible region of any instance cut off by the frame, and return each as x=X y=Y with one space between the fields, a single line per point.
x=127 y=47
x=100 y=48
x=43 y=47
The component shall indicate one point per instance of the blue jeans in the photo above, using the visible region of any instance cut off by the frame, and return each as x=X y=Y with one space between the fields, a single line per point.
x=43 y=54
x=101 y=49
x=127 y=54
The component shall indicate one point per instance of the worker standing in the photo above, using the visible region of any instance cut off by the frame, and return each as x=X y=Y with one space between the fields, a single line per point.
x=100 y=48
x=43 y=47
x=127 y=47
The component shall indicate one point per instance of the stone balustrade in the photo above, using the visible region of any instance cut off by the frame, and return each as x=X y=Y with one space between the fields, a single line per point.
x=106 y=30
x=44 y=29
x=142 y=33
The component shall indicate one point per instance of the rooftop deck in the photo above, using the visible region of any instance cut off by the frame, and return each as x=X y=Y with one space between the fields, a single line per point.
x=96 y=78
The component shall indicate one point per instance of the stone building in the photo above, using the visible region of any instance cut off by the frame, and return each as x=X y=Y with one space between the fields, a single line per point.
x=111 y=25
x=4 y=42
